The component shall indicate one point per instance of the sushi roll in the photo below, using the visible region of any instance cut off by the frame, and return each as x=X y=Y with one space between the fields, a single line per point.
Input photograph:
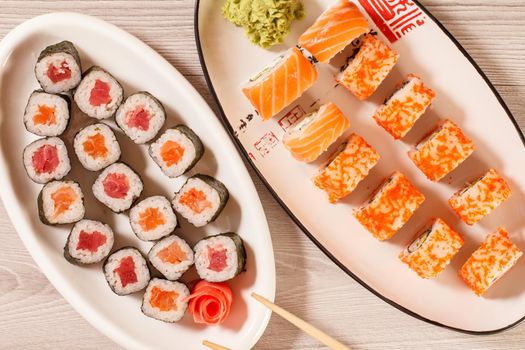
x=220 y=258
x=400 y=112
x=46 y=159
x=432 y=250
x=496 y=255
x=176 y=151
x=312 y=135
x=369 y=67
x=442 y=151
x=58 y=68
x=335 y=29
x=99 y=94
x=172 y=256
x=201 y=199
x=61 y=202
x=140 y=117
x=281 y=83
x=152 y=218
x=348 y=166
x=126 y=271
x=390 y=207
x=165 y=300
x=479 y=198
x=117 y=187
x=96 y=147
x=46 y=114
x=89 y=242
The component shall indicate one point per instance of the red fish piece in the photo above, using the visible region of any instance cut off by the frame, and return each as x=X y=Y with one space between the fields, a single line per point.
x=126 y=271
x=100 y=94
x=116 y=185
x=45 y=159
x=90 y=241
x=210 y=303
x=217 y=258
x=57 y=74
x=138 y=118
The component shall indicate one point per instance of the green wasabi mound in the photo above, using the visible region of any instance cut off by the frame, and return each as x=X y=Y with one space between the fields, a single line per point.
x=266 y=22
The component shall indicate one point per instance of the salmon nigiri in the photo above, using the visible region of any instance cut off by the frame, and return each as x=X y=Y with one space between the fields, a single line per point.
x=335 y=29
x=312 y=135
x=277 y=86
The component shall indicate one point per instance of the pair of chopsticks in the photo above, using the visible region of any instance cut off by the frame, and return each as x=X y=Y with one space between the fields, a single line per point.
x=296 y=321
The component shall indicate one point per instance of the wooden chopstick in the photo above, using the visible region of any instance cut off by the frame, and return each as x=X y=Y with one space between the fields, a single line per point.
x=301 y=324
x=213 y=346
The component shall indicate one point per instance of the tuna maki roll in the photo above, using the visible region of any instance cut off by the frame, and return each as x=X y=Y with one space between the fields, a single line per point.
x=172 y=256
x=141 y=117
x=96 y=147
x=46 y=159
x=126 y=271
x=89 y=242
x=220 y=258
x=165 y=300
x=58 y=68
x=201 y=199
x=152 y=218
x=61 y=202
x=46 y=114
x=177 y=150
x=99 y=93
x=117 y=187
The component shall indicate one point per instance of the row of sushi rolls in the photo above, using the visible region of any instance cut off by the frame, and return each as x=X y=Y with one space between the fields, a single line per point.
x=200 y=200
x=396 y=199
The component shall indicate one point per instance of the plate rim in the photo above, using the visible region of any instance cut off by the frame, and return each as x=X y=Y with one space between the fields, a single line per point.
x=224 y=120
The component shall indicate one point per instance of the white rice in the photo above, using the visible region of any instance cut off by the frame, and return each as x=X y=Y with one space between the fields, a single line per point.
x=83 y=93
x=169 y=270
x=164 y=206
x=74 y=213
x=170 y=315
x=184 y=163
x=202 y=260
x=85 y=256
x=149 y=104
x=40 y=98
x=141 y=271
x=211 y=194
x=110 y=141
x=62 y=169
x=56 y=60
x=118 y=204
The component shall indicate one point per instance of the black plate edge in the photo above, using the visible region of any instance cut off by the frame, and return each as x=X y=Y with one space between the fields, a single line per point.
x=242 y=150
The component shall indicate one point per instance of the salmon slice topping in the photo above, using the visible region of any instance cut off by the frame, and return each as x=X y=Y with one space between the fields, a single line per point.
x=196 y=200
x=172 y=254
x=218 y=259
x=91 y=241
x=63 y=198
x=116 y=185
x=45 y=115
x=126 y=271
x=100 y=94
x=151 y=218
x=95 y=146
x=164 y=300
x=171 y=152
x=45 y=159
x=57 y=74
x=138 y=118
x=210 y=303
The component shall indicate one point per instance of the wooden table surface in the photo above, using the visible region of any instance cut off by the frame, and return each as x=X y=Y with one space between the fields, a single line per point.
x=33 y=315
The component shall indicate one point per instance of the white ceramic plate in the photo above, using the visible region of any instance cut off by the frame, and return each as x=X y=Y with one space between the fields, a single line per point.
x=137 y=67
x=464 y=94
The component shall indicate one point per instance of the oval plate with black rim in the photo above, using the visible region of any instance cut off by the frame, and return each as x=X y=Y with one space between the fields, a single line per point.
x=463 y=94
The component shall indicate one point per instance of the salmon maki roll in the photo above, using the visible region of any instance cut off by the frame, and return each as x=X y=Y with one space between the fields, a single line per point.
x=165 y=301
x=369 y=68
x=96 y=147
x=46 y=114
x=152 y=218
x=432 y=250
x=313 y=134
x=278 y=85
x=61 y=202
x=172 y=256
x=476 y=200
x=390 y=207
x=335 y=29
x=400 y=112
x=496 y=255
x=348 y=166
x=442 y=151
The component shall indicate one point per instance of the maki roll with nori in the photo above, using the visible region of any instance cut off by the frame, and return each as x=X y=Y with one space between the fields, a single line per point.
x=141 y=117
x=152 y=218
x=201 y=199
x=46 y=159
x=177 y=150
x=126 y=271
x=58 y=68
x=220 y=258
x=99 y=94
x=165 y=300
x=172 y=256
x=46 y=114
x=96 y=147
x=61 y=202
x=89 y=242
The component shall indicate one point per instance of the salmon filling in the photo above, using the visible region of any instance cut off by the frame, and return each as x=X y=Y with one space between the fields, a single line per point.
x=163 y=300
x=99 y=95
x=45 y=159
x=138 y=118
x=116 y=185
x=63 y=198
x=126 y=271
x=46 y=115
x=171 y=153
x=172 y=254
x=218 y=259
x=95 y=146
x=151 y=218
x=90 y=241
x=196 y=200
x=57 y=74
